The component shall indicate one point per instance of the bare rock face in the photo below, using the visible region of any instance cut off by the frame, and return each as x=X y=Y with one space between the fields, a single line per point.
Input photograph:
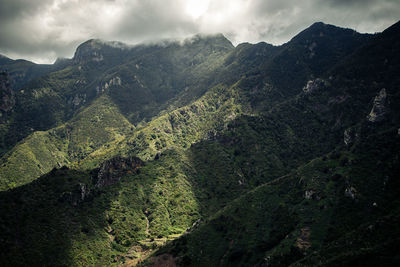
x=109 y=173
x=112 y=170
x=7 y=98
x=314 y=85
x=311 y=194
x=116 y=81
x=350 y=192
x=89 y=51
x=379 y=109
x=80 y=193
x=350 y=136
x=347 y=138
x=308 y=194
x=77 y=100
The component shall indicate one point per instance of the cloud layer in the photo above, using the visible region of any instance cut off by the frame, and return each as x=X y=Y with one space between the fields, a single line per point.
x=42 y=30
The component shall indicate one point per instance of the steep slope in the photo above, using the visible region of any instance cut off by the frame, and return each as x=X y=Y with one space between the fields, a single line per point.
x=112 y=208
x=164 y=77
x=320 y=207
x=339 y=208
x=23 y=71
x=276 y=169
x=100 y=132
x=140 y=79
x=67 y=144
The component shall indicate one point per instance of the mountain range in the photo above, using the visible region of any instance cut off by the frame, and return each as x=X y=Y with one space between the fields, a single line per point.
x=201 y=153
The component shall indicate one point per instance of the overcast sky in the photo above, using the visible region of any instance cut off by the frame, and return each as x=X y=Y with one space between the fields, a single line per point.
x=42 y=30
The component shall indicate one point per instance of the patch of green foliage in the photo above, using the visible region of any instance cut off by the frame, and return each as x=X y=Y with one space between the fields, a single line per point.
x=264 y=225
x=65 y=145
x=63 y=218
x=242 y=163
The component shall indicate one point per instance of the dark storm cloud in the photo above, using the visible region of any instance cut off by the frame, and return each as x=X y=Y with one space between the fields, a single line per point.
x=41 y=30
x=347 y=3
x=13 y=9
x=278 y=21
x=153 y=20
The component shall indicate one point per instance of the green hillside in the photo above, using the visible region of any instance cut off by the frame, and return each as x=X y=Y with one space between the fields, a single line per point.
x=204 y=154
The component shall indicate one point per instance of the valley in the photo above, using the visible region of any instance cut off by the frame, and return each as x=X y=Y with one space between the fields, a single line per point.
x=202 y=153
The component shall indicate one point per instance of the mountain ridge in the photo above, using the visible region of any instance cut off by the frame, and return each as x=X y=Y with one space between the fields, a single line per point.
x=249 y=155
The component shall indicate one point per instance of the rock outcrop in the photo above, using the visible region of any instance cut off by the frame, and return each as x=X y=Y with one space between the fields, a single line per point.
x=112 y=170
x=350 y=192
x=77 y=196
x=379 y=109
x=350 y=136
x=77 y=100
x=88 y=51
x=314 y=85
x=98 y=51
x=116 y=81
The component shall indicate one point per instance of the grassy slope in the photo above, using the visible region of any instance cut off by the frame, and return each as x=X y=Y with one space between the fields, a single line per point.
x=265 y=225
x=206 y=175
x=197 y=66
x=100 y=131
x=276 y=224
x=65 y=145
x=100 y=227
x=148 y=75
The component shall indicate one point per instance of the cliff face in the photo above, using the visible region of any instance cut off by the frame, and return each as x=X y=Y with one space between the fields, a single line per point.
x=379 y=108
x=7 y=98
x=112 y=170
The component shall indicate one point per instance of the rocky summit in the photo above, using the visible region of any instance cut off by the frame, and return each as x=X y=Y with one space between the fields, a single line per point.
x=202 y=153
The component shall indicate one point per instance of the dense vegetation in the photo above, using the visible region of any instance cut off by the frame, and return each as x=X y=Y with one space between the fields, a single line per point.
x=200 y=153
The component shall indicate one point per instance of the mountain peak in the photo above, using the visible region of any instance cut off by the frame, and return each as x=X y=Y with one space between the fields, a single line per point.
x=394 y=29
x=94 y=50
x=217 y=40
x=326 y=31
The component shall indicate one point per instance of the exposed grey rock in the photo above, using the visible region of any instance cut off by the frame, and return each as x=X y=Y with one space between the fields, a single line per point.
x=78 y=100
x=350 y=136
x=112 y=170
x=314 y=85
x=379 y=108
x=311 y=194
x=308 y=194
x=194 y=226
x=77 y=196
x=347 y=137
x=89 y=51
x=116 y=81
x=84 y=191
x=350 y=192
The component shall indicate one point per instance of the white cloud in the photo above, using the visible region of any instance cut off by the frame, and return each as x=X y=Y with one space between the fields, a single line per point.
x=44 y=29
